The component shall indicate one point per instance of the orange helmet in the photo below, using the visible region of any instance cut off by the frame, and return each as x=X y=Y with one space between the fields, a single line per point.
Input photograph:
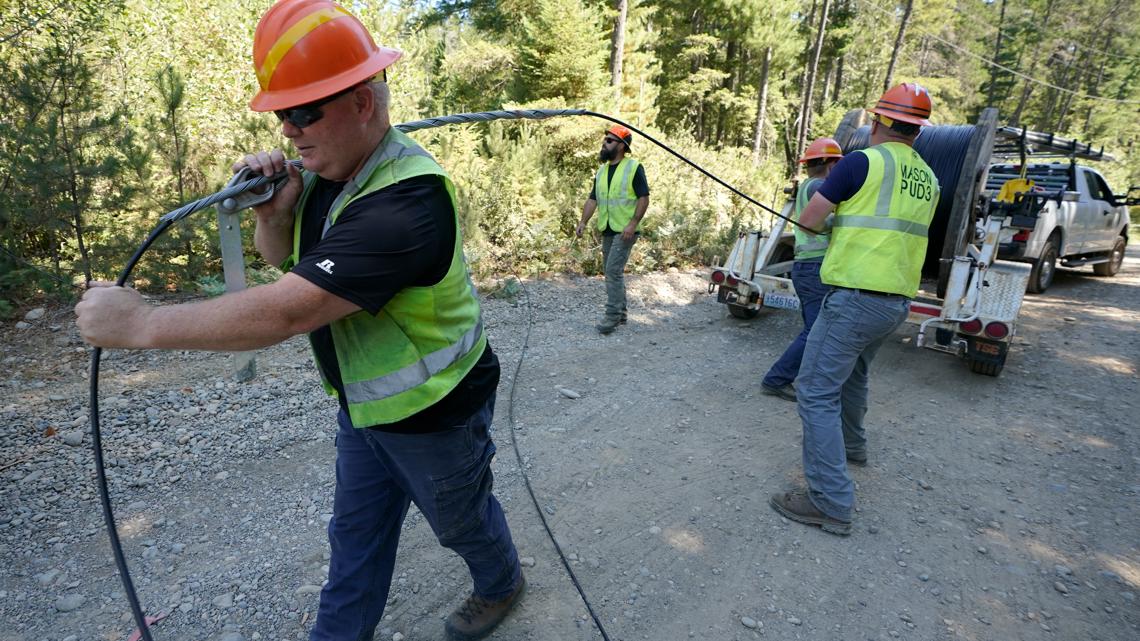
x=305 y=50
x=621 y=133
x=822 y=148
x=908 y=102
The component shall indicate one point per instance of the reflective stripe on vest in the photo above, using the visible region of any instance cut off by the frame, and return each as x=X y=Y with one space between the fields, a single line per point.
x=616 y=200
x=415 y=374
x=808 y=245
x=892 y=224
x=424 y=340
x=879 y=235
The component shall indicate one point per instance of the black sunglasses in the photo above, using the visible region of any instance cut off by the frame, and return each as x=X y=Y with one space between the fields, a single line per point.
x=608 y=140
x=310 y=113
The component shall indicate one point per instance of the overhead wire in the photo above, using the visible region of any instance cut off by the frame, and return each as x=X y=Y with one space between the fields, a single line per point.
x=992 y=63
x=981 y=23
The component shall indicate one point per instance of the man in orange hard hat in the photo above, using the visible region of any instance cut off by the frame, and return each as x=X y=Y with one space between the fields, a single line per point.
x=884 y=198
x=620 y=195
x=368 y=236
x=818 y=159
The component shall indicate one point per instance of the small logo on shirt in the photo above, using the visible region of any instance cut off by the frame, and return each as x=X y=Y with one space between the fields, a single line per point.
x=325 y=266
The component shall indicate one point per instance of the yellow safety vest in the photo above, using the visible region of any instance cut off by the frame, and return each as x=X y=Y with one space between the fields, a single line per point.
x=616 y=201
x=807 y=245
x=425 y=339
x=878 y=241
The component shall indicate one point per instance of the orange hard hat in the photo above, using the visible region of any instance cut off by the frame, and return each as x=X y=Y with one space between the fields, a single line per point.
x=305 y=50
x=822 y=148
x=621 y=133
x=908 y=102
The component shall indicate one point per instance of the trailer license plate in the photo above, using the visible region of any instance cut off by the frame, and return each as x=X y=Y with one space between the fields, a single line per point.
x=781 y=301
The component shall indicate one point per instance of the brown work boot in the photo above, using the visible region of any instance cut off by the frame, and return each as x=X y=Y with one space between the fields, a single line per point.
x=476 y=616
x=608 y=324
x=796 y=506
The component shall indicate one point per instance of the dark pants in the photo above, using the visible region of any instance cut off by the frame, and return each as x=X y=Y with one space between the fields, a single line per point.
x=448 y=476
x=810 y=291
x=615 y=254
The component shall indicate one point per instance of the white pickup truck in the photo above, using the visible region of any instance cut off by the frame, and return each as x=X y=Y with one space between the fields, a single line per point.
x=1084 y=223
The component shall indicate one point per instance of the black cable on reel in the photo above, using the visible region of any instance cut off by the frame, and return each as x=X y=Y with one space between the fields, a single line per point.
x=178 y=214
x=943 y=147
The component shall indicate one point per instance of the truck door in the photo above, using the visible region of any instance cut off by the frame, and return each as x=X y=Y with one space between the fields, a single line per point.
x=1085 y=214
x=1105 y=220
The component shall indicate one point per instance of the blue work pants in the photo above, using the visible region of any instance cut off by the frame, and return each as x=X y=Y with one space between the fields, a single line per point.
x=448 y=476
x=810 y=291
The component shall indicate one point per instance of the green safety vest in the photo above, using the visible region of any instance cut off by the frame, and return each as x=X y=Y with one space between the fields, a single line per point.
x=878 y=240
x=616 y=202
x=425 y=339
x=807 y=245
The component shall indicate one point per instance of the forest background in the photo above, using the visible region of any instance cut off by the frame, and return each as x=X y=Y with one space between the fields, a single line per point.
x=113 y=112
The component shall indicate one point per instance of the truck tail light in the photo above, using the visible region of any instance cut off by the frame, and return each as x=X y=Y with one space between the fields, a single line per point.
x=717 y=276
x=997 y=330
x=971 y=327
x=1021 y=236
x=732 y=282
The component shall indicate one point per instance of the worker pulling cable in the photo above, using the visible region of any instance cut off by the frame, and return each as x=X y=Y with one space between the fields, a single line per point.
x=324 y=78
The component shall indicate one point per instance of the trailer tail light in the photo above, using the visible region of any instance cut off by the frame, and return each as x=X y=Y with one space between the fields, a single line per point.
x=971 y=327
x=717 y=276
x=997 y=330
x=1021 y=236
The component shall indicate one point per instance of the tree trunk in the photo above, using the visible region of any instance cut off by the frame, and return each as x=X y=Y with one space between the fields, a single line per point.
x=799 y=120
x=1055 y=95
x=1095 y=88
x=1027 y=87
x=761 y=105
x=806 y=110
x=73 y=188
x=997 y=52
x=730 y=84
x=898 y=42
x=1081 y=79
x=838 y=79
x=617 y=50
x=821 y=102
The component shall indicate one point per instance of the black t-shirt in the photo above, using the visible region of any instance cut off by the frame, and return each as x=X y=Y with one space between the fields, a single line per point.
x=640 y=189
x=401 y=236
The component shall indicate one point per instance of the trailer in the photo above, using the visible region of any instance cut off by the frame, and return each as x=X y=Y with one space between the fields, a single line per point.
x=969 y=300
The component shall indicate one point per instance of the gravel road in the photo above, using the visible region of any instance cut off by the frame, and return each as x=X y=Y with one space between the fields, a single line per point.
x=993 y=508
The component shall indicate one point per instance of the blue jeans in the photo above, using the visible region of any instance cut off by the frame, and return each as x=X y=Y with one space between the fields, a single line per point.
x=448 y=476
x=832 y=389
x=810 y=291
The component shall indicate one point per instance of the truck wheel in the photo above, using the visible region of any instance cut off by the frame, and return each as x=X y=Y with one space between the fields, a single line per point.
x=1043 y=268
x=1115 y=259
x=989 y=368
x=740 y=311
